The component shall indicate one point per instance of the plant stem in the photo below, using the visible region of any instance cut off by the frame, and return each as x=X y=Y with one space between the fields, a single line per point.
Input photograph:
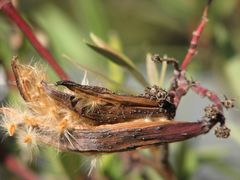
x=195 y=38
x=16 y=167
x=162 y=169
x=8 y=9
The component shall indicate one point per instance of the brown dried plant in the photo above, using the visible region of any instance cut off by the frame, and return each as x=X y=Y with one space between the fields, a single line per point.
x=87 y=118
x=92 y=119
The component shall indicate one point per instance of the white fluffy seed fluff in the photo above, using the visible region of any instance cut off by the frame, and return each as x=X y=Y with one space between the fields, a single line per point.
x=41 y=114
x=27 y=140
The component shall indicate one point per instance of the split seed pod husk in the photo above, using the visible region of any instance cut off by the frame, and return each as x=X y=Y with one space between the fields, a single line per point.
x=64 y=119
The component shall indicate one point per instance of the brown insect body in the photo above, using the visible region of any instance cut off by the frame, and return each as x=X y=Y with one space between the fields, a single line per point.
x=102 y=106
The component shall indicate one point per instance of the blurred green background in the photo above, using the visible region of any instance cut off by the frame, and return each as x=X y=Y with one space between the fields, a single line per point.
x=135 y=28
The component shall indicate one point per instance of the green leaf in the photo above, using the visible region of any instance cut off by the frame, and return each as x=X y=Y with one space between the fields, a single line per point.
x=93 y=15
x=111 y=166
x=54 y=166
x=115 y=72
x=163 y=73
x=70 y=161
x=186 y=161
x=152 y=71
x=63 y=34
x=116 y=57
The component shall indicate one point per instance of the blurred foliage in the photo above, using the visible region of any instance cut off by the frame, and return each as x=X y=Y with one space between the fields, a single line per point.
x=132 y=29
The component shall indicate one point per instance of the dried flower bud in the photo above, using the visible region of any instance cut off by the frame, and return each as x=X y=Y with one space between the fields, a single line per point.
x=222 y=132
x=211 y=111
x=228 y=103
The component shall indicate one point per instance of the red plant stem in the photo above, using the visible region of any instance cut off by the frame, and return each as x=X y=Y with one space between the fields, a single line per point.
x=18 y=168
x=195 y=38
x=8 y=9
x=204 y=92
x=191 y=52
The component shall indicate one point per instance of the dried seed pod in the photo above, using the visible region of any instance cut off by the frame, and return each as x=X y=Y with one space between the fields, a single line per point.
x=86 y=118
x=109 y=112
x=128 y=136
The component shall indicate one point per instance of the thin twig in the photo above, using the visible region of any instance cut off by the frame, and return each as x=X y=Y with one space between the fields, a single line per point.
x=8 y=9
x=16 y=167
x=195 y=38
x=162 y=169
x=181 y=81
